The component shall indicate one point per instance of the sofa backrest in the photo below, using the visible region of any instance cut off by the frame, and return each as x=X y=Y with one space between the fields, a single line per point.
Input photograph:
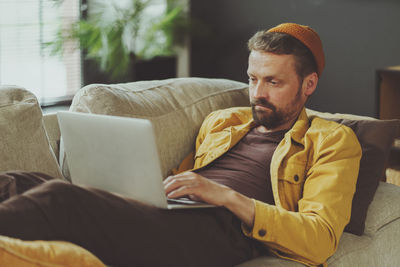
x=176 y=107
x=24 y=143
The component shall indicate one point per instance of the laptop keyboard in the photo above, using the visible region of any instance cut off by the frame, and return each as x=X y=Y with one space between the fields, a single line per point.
x=183 y=200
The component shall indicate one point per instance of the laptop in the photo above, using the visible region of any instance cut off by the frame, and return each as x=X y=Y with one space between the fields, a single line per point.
x=117 y=154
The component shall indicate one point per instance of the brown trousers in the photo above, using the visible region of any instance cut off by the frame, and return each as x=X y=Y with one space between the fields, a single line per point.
x=120 y=231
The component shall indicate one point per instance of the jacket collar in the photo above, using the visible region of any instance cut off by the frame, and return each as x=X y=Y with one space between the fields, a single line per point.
x=297 y=131
x=299 y=128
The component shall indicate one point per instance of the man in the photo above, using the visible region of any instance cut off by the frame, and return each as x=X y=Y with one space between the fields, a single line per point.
x=284 y=181
x=313 y=169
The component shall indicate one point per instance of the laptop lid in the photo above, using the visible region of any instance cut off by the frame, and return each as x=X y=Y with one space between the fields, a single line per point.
x=116 y=154
x=113 y=153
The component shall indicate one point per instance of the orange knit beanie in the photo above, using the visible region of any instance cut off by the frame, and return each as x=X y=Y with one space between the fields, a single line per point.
x=308 y=37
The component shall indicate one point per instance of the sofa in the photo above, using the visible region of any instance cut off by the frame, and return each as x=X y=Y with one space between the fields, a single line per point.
x=177 y=107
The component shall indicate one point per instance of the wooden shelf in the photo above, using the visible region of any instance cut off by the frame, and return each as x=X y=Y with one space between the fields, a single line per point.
x=388 y=89
x=388 y=106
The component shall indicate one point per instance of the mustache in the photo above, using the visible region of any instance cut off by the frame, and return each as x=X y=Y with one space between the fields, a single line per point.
x=262 y=102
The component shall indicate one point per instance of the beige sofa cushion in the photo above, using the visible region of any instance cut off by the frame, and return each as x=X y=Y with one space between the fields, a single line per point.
x=176 y=107
x=23 y=141
x=384 y=209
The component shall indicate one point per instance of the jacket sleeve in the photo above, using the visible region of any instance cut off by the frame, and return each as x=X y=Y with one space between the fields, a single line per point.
x=311 y=234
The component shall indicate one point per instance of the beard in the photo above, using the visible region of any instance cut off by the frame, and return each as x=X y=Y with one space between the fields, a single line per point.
x=275 y=117
x=271 y=119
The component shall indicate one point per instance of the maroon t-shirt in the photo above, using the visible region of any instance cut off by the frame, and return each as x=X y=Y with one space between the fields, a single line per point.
x=246 y=166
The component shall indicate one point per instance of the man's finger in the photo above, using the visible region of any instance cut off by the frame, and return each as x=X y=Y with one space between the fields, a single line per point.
x=180 y=192
x=180 y=175
x=176 y=183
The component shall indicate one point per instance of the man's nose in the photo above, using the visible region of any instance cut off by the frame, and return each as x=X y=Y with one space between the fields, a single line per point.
x=260 y=91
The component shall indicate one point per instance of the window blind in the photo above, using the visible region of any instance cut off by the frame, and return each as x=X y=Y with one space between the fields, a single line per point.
x=25 y=25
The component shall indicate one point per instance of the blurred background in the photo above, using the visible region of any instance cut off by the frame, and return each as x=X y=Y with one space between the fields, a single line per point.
x=55 y=47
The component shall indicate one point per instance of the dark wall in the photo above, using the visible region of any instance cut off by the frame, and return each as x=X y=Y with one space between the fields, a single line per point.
x=359 y=36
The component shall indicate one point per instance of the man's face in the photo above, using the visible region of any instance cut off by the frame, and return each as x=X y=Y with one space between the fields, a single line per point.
x=275 y=90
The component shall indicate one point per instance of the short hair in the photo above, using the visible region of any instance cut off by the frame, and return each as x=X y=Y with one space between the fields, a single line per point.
x=285 y=44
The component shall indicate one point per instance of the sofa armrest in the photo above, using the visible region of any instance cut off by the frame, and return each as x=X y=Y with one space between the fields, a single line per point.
x=384 y=208
x=53 y=132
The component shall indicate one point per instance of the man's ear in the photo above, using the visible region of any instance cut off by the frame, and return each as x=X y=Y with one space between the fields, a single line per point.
x=310 y=84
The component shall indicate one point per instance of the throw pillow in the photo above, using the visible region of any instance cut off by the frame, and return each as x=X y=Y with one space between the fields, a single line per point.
x=376 y=138
x=23 y=141
x=18 y=253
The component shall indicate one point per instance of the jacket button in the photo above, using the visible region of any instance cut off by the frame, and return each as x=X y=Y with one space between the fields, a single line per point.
x=296 y=178
x=262 y=232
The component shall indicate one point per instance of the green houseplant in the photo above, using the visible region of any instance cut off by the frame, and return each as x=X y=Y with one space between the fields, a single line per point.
x=116 y=34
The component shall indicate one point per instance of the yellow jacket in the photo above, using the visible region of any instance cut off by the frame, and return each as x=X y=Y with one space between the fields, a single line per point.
x=313 y=174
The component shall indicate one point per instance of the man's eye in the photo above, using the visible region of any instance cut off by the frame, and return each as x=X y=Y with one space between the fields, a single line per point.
x=273 y=82
x=252 y=80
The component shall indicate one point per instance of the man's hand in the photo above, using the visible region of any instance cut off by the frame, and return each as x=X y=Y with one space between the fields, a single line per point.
x=197 y=187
